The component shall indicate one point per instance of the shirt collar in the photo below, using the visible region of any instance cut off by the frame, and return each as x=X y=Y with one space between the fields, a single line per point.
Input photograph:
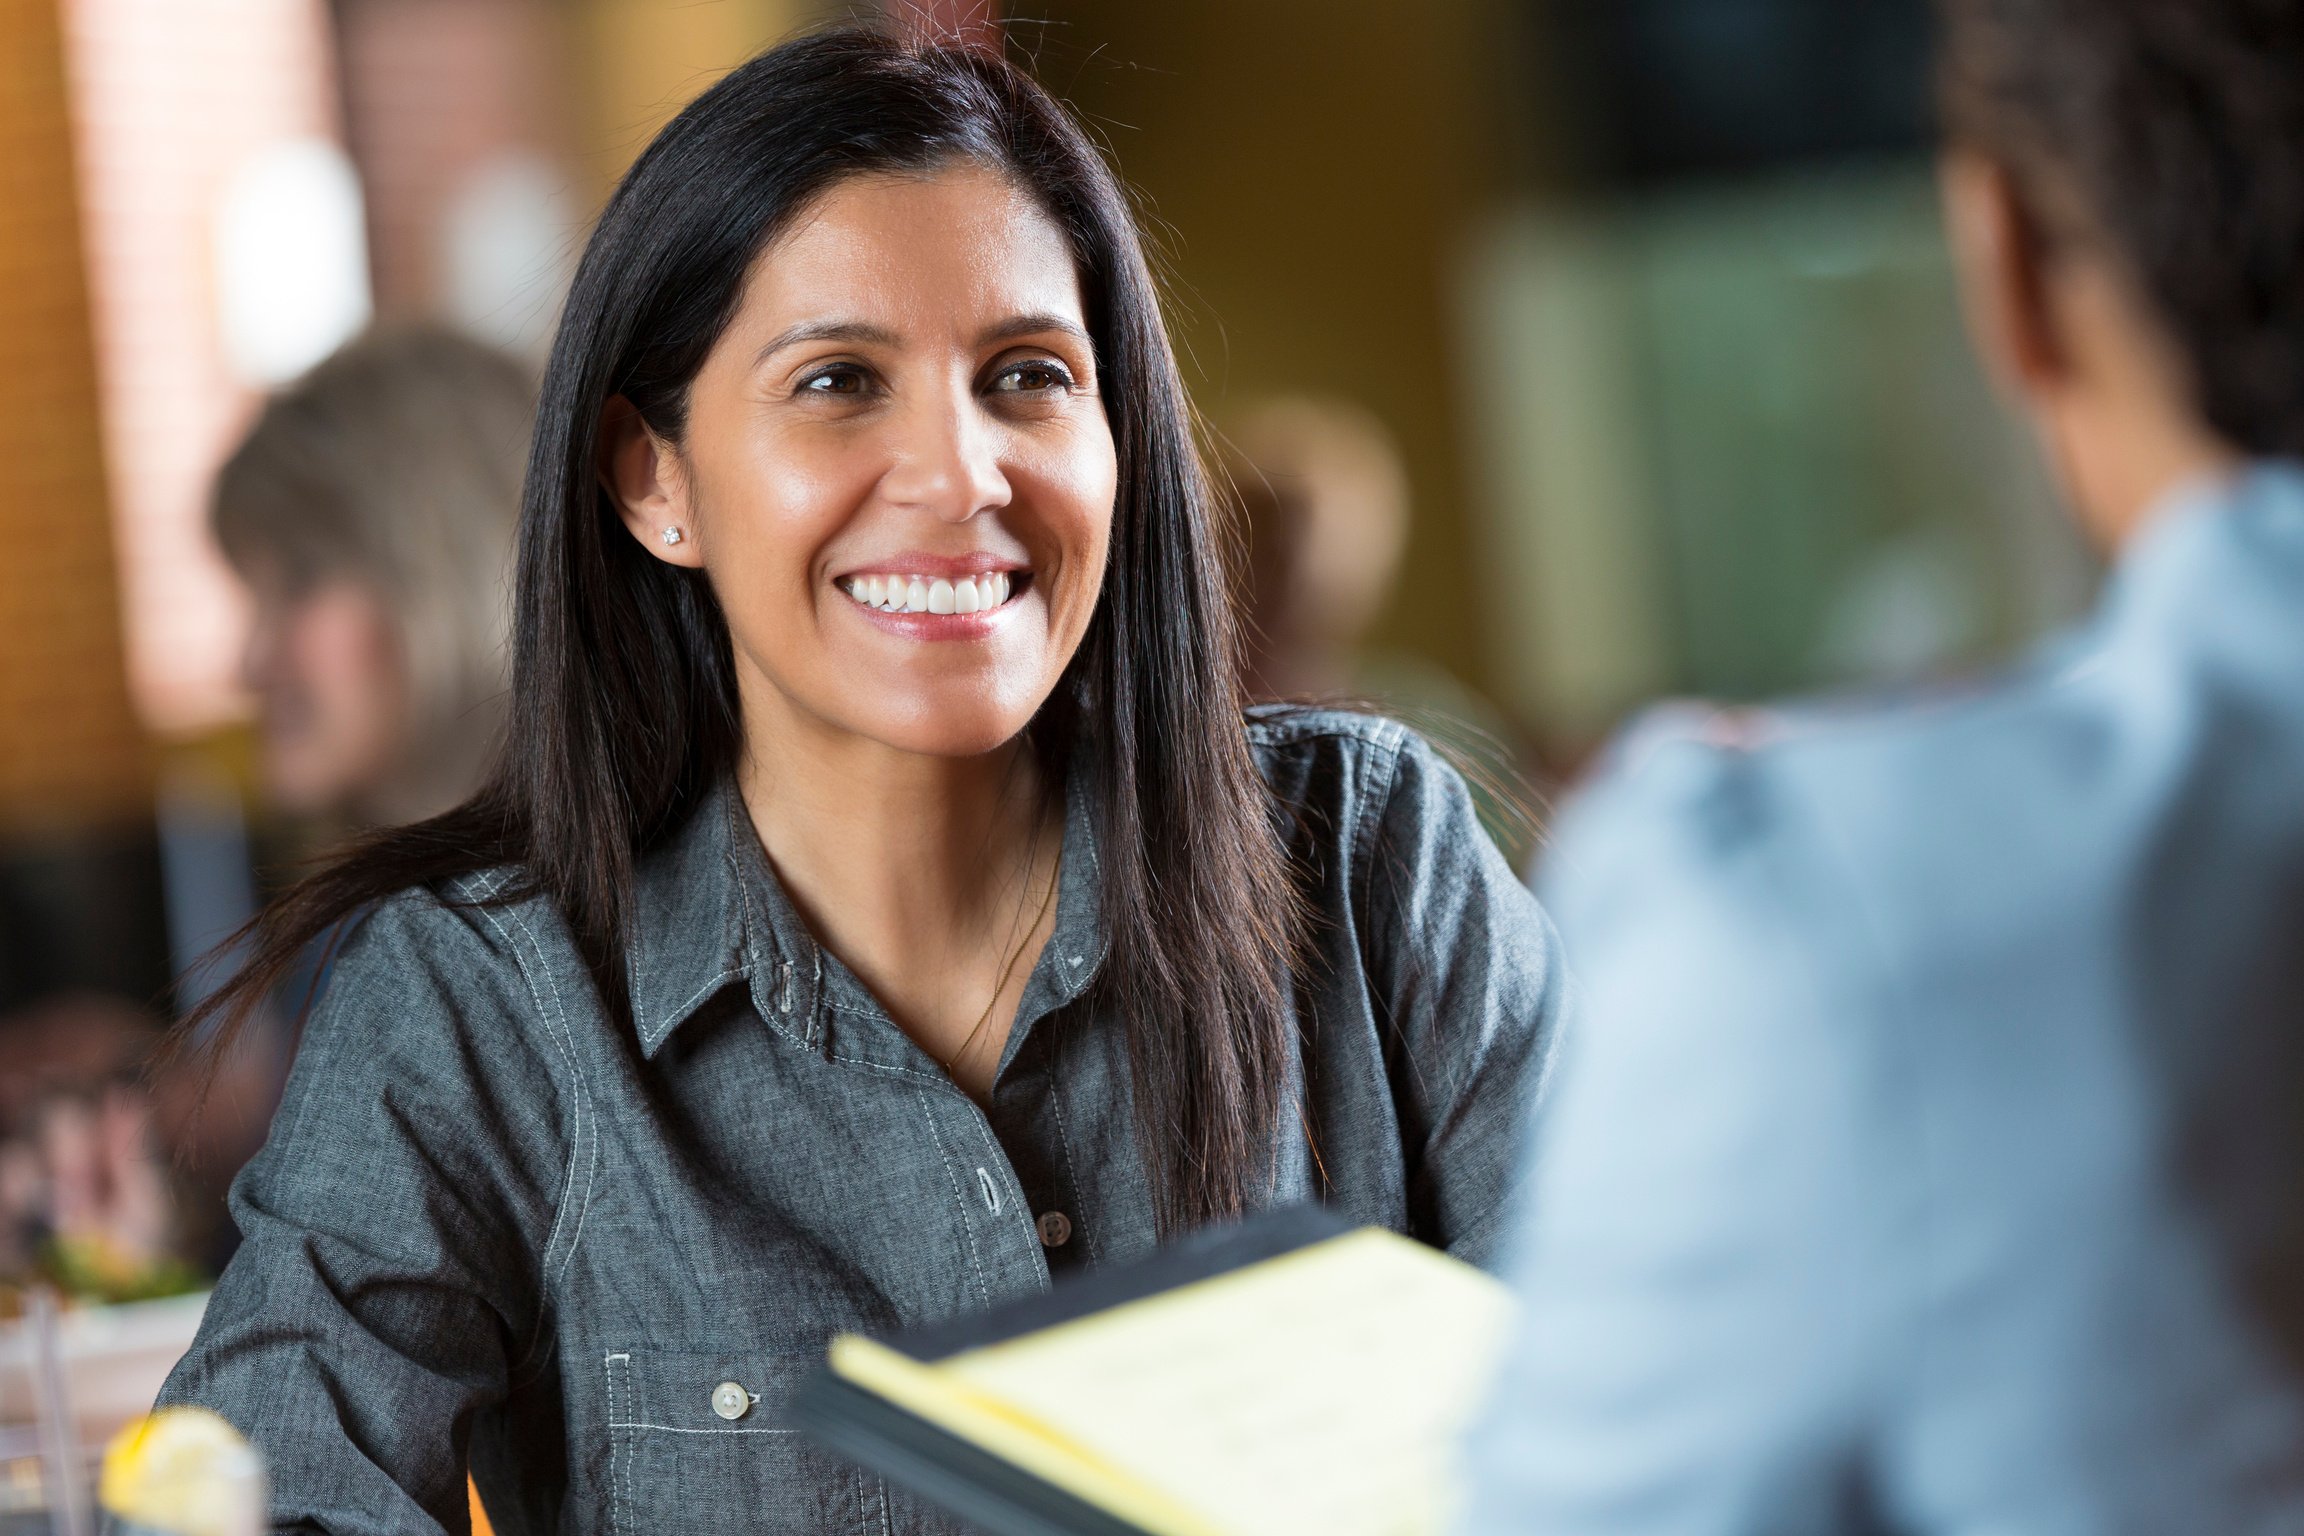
x=700 y=923
x=709 y=911
x=2203 y=533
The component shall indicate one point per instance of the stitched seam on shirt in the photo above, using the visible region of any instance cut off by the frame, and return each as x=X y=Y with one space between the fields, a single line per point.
x=674 y=1429
x=959 y=1200
x=1384 y=1016
x=875 y=1066
x=751 y=923
x=1088 y=833
x=633 y=962
x=815 y=992
x=592 y=1160
x=680 y=1011
x=1103 y=944
x=1064 y=1140
x=1364 y=837
x=520 y=1372
x=616 y=1452
x=576 y=1137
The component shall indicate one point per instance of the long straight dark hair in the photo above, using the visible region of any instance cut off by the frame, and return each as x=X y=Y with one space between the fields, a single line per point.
x=624 y=708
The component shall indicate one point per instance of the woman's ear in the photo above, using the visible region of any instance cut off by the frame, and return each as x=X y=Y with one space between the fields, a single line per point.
x=648 y=482
x=2002 y=266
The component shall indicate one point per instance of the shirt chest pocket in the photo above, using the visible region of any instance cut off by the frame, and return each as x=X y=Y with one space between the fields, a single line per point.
x=704 y=1439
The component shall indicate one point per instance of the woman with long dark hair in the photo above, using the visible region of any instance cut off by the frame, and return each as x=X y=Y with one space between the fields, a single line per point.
x=882 y=901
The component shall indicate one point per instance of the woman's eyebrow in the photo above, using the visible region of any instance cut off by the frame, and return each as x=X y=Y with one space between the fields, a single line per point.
x=1034 y=325
x=859 y=331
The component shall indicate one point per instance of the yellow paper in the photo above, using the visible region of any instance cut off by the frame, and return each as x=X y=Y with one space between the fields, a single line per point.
x=1318 y=1393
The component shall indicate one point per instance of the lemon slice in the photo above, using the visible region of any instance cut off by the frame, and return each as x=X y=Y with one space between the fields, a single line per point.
x=186 y=1472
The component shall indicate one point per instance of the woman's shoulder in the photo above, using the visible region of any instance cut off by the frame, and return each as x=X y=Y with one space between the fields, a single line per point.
x=1302 y=748
x=1354 y=768
x=1274 y=728
x=456 y=933
x=1368 y=749
x=469 y=984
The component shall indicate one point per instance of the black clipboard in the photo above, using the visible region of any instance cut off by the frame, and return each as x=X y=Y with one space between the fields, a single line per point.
x=971 y=1482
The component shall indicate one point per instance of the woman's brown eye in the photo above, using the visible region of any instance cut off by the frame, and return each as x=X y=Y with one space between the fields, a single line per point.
x=1032 y=378
x=840 y=381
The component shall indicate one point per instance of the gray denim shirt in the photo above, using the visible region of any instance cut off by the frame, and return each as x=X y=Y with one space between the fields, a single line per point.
x=496 y=1228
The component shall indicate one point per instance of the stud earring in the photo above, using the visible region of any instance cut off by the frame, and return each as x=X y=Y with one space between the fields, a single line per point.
x=673 y=535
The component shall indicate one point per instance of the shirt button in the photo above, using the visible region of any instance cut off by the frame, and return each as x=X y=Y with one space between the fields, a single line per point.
x=1055 y=1229
x=730 y=1400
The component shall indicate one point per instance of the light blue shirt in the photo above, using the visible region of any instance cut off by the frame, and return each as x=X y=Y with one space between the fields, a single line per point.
x=1928 y=1154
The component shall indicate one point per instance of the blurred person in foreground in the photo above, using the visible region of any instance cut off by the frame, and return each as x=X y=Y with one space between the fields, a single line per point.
x=1931 y=1158
x=370 y=511
x=1323 y=501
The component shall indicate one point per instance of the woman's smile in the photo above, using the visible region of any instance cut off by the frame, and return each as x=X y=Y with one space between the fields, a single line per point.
x=938 y=597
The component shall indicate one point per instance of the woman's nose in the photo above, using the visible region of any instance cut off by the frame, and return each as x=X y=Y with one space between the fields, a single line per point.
x=947 y=461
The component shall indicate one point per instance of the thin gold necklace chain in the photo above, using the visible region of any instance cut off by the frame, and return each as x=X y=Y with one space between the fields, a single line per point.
x=1055 y=877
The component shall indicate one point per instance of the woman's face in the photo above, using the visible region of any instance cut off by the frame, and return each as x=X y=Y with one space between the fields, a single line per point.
x=331 y=686
x=897 y=472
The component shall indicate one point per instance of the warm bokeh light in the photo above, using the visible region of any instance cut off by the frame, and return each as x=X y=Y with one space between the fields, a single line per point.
x=170 y=103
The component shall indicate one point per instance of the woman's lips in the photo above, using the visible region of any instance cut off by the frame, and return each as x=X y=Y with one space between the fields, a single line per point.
x=928 y=592
x=922 y=606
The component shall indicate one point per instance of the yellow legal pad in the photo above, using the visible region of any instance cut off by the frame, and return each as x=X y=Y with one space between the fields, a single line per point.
x=1317 y=1390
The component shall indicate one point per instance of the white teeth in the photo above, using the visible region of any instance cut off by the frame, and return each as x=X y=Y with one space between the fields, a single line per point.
x=930 y=594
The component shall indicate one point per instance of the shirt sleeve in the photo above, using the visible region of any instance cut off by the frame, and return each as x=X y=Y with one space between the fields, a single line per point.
x=1704 y=1310
x=1471 y=992
x=386 y=1288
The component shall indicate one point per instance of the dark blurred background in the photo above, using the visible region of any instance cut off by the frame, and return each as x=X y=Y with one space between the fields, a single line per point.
x=1569 y=354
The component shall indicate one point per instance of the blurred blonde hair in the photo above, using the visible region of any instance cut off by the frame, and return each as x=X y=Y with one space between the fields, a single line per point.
x=397 y=464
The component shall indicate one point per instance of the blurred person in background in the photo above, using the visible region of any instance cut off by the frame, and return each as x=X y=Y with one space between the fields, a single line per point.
x=371 y=511
x=1324 y=506
x=885 y=900
x=1931 y=1156
x=1324 y=503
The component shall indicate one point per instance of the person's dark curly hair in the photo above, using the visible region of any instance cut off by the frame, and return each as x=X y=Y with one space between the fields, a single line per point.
x=2169 y=133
